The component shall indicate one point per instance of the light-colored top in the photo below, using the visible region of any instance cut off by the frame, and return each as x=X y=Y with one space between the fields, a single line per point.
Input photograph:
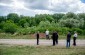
x=75 y=35
x=47 y=32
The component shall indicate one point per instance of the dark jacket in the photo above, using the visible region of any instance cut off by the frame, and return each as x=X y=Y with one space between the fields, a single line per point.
x=37 y=35
x=55 y=35
x=68 y=36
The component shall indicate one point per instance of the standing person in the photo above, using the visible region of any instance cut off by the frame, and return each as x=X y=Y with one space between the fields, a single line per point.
x=74 y=38
x=68 y=39
x=37 y=35
x=47 y=34
x=55 y=38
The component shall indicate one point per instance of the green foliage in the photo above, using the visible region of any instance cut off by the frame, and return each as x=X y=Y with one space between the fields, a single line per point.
x=80 y=31
x=2 y=18
x=62 y=23
x=23 y=31
x=70 y=15
x=58 y=16
x=70 y=22
x=55 y=24
x=2 y=24
x=84 y=32
x=10 y=27
x=81 y=15
x=13 y=16
x=23 y=22
x=44 y=24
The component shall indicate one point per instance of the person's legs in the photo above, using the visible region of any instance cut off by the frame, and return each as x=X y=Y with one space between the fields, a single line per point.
x=37 y=41
x=48 y=37
x=67 y=43
x=56 y=41
x=53 y=42
x=74 y=41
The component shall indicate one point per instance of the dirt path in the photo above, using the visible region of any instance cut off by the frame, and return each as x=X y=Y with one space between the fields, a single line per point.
x=33 y=42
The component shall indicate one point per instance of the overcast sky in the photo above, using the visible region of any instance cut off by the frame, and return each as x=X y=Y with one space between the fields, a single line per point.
x=32 y=7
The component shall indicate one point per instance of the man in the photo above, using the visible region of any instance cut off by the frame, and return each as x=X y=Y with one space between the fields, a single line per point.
x=47 y=34
x=74 y=38
x=68 y=39
x=55 y=38
x=37 y=35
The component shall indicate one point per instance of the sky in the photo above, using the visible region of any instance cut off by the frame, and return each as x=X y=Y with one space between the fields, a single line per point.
x=32 y=7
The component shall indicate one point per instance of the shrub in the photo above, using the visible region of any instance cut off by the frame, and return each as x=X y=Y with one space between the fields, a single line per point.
x=78 y=30
x=10 y=27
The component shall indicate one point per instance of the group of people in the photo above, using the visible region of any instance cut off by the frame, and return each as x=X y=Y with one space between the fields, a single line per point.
x=55 y=38
x=69 y=38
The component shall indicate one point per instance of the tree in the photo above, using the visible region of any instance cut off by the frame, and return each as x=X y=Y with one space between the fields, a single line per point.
x=57 y=16
x=14 y=17
x=44 y=24
x=2 y=24
x=2 y=18
x=70 y=15
x=22 y=22
x=10 y=27
x=53 y=24
x=82 y=16
x=70 y=22
x=49 y=17
x=39 y=18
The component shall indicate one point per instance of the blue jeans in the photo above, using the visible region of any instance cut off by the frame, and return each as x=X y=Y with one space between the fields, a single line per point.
x=68 y=43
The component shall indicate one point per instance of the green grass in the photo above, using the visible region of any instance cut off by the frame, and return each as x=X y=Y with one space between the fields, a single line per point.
x=10 y=36
x=41 y=50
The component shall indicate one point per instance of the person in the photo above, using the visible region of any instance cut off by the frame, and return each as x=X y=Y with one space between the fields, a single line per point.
x=55 y=38
x=74 y=38
x=37 y=35
x=68 y=39
x=47 y=34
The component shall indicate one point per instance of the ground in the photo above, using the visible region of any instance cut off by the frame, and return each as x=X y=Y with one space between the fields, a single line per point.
x=41 y=50
x=29 y=47
x=41 y=42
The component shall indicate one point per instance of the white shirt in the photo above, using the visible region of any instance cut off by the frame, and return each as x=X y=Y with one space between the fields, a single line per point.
x=75 y=35
x=47 y=32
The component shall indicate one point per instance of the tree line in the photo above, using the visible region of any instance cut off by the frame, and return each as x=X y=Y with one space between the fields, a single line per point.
x=62 y=23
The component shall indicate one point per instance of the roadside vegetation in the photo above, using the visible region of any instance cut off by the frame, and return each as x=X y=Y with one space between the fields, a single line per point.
x=14 y=25
x=32 y=36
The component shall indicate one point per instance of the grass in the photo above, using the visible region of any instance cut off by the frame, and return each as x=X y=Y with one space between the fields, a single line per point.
x=41 y=50
x=10 y=36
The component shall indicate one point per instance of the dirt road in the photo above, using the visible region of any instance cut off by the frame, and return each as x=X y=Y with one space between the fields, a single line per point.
x=33 y=42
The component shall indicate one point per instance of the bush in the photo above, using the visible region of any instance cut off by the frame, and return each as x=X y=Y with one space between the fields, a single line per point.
x=10 y=27
x=83 y=32
x=78 y=30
